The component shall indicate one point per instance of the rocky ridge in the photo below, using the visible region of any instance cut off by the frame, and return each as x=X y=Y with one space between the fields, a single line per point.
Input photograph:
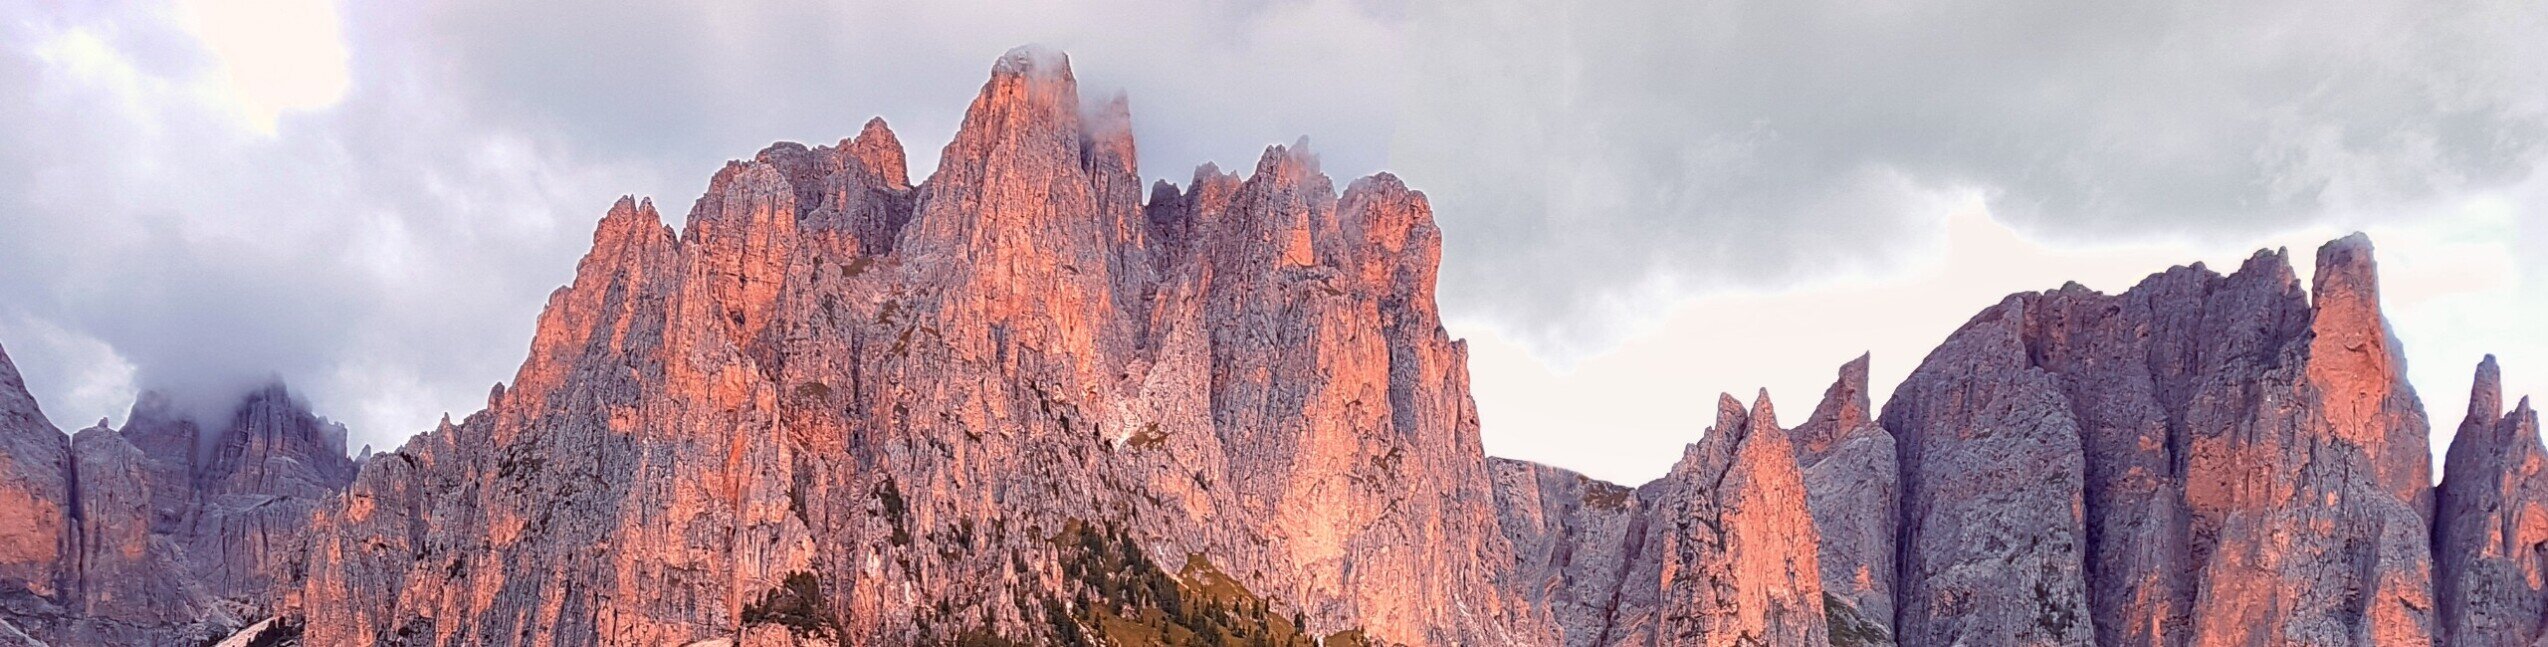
x=158 y=532
x=1027 y=401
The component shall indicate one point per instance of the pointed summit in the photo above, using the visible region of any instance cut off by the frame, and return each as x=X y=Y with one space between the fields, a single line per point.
x=17 y=407
x=1843 y=409
x=1764 y=414
x=2490 y=535
x=880 y=153
x=1108 y=138
x=2357 y=369
x=1851 y=477
x=1029 y=108
x=2486 y=390
x=1730 y=415
x=1033 y=61
x=273 y=445
x=1736 y=561
x=2345 y=311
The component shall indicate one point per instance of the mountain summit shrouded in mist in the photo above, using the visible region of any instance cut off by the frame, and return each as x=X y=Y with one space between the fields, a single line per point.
x=1031 y=400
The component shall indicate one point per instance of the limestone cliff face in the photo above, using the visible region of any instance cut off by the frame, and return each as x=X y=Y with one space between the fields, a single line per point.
x=836 y=407
x=1721 y=551
x=2201 y=460
x=157 y=535
x=1736 y=558
x=39 y=540
x=1853 y=489
x=1575 y=538
x=2490 y=532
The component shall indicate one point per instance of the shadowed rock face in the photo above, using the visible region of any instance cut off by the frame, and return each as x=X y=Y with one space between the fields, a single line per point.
x=158 y=537
x=1720 y=551
x=2490 y=535
x=1022 y=402
x=39 y=542
x=1852 y=488
x=2200 y=460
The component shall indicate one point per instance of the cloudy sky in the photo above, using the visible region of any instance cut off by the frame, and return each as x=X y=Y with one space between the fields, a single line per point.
x=1645 y=203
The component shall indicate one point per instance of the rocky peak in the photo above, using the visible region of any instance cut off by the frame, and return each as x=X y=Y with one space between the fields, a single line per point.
x=37 y=547
x=1737 y=561
x=1764 y=416
x=1107 y=137
x=1852 y=488
x=880 y=154
x=1843 y=409
x=274 y=446
x=2490 y=530
x=1731 y=418
x=164 y=431
x=2486 y=391
x=1180 y=217
x=1399 y=248
x=18 y=409
x=1029 y=106
x=630 y=223
x=1013 y=231
x=2350 y=356
x=2359 y=372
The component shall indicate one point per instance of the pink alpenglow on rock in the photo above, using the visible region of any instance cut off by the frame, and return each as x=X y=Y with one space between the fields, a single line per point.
x=1026 y=401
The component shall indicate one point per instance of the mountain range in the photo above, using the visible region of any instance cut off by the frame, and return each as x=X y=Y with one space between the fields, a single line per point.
x=1028 y=400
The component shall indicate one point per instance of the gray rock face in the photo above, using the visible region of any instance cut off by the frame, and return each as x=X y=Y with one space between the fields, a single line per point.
x=1574 y=538
x=2490 y=535
x=136 y=586
x=39 y=542
x=1993 y=543
x=1852 y=487
x=1720 y=551
x=169 y=540
x=2199 y=460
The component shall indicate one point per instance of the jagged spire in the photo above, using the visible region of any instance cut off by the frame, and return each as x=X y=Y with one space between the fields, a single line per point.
x=1843 y=408
x=877 y=150
x=2486 y=390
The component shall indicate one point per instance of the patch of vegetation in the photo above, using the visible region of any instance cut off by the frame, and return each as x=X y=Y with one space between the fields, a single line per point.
x=797 y=603
x=889 y=499
x=1149 y=437
x=813 y=390
x=1850 y=629
x=796 y=499
x=856 y=266
x=1123 y=597
x=513 y=462
x=2051 y=615
x=1606 y=496
x=283 y=633
x=979 y=637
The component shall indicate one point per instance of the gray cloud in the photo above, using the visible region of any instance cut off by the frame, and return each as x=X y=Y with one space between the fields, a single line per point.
x=1597 y=159
x=384 y=256
x=683 y=85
